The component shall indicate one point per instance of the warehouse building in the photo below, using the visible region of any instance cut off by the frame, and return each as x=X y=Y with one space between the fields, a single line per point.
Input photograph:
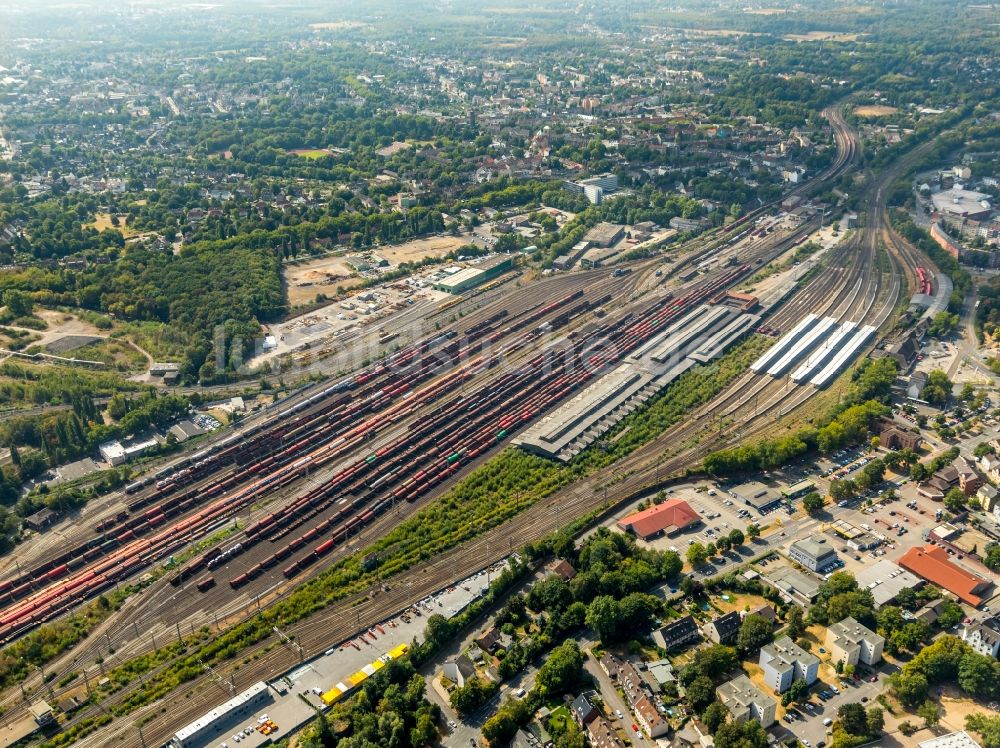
x=756 y=494
x=476 y=275
x=962 y=203
x=605 y=234
x=210 y=725
x=885 y=580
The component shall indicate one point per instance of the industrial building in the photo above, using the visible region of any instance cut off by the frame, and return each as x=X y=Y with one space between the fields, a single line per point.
x=962 y=203
x=473 y=276
x=793 y=585
x=699 y=336
x=221 y=719
x=885 y=580
x=605 y=234
x=745 y=701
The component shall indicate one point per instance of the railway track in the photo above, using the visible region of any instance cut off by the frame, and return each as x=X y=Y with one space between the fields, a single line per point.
x=578 y=496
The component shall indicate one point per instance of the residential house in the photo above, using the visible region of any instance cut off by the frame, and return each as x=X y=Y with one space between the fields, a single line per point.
x=676 y=634
x=723 y=630
x=583 y=711
x=745 y=701
x=850 y=642
x=625 y=674
x=983 y=636
x=649 y=718
x=987 y=497
x=764 y=611
x=968 y=479
x=459 y=670
x=493 y=640
x=990 y=465
x=784 y=662
x=601 y=734
x=561 y=568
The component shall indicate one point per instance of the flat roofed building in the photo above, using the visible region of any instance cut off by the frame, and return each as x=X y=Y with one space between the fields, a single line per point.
x=605 y=234
x=959 y=202
x=206 y=727
x=932 y=563
x=850 y=642
x=793 y=585
x=960 y=739
x=745 y=701
x=784 y=662
x=814 y=553
x=885 y=580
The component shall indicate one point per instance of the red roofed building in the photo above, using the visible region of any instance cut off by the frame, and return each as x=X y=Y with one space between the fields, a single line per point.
x=932 y=563
x=667 y=518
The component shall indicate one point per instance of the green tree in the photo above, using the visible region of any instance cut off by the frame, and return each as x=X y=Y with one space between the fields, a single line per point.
x=736 y=537
x=747 y=734
x=603 y=615
x=755 y=631
x=795 y=625
x=988 y=727
x=929 y=712
x=910 y=687
x=753 y=531
x=700 y=693
x=853 y=718
x=714 y=716
x=813 y=503
x=18 y=303
x=875 y=718
x=697 y=555
x=561 y=671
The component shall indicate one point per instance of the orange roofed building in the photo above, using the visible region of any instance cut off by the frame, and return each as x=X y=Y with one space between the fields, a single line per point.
x=932 y=563
x=668 y=518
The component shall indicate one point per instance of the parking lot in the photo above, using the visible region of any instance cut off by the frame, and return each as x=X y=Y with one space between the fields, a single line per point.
x=808 y=723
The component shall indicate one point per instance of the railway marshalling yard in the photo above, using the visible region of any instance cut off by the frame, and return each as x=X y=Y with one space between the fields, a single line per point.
x=331 y=470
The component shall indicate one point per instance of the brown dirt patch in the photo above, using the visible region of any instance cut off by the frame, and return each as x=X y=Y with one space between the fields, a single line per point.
x=323 y=275
x=875 y=110
x=418 y=249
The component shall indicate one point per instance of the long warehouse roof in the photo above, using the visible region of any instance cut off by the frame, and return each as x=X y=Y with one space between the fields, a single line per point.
x=825 y=352
x=779 y=348
x=846 y=354
x=806 y=344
